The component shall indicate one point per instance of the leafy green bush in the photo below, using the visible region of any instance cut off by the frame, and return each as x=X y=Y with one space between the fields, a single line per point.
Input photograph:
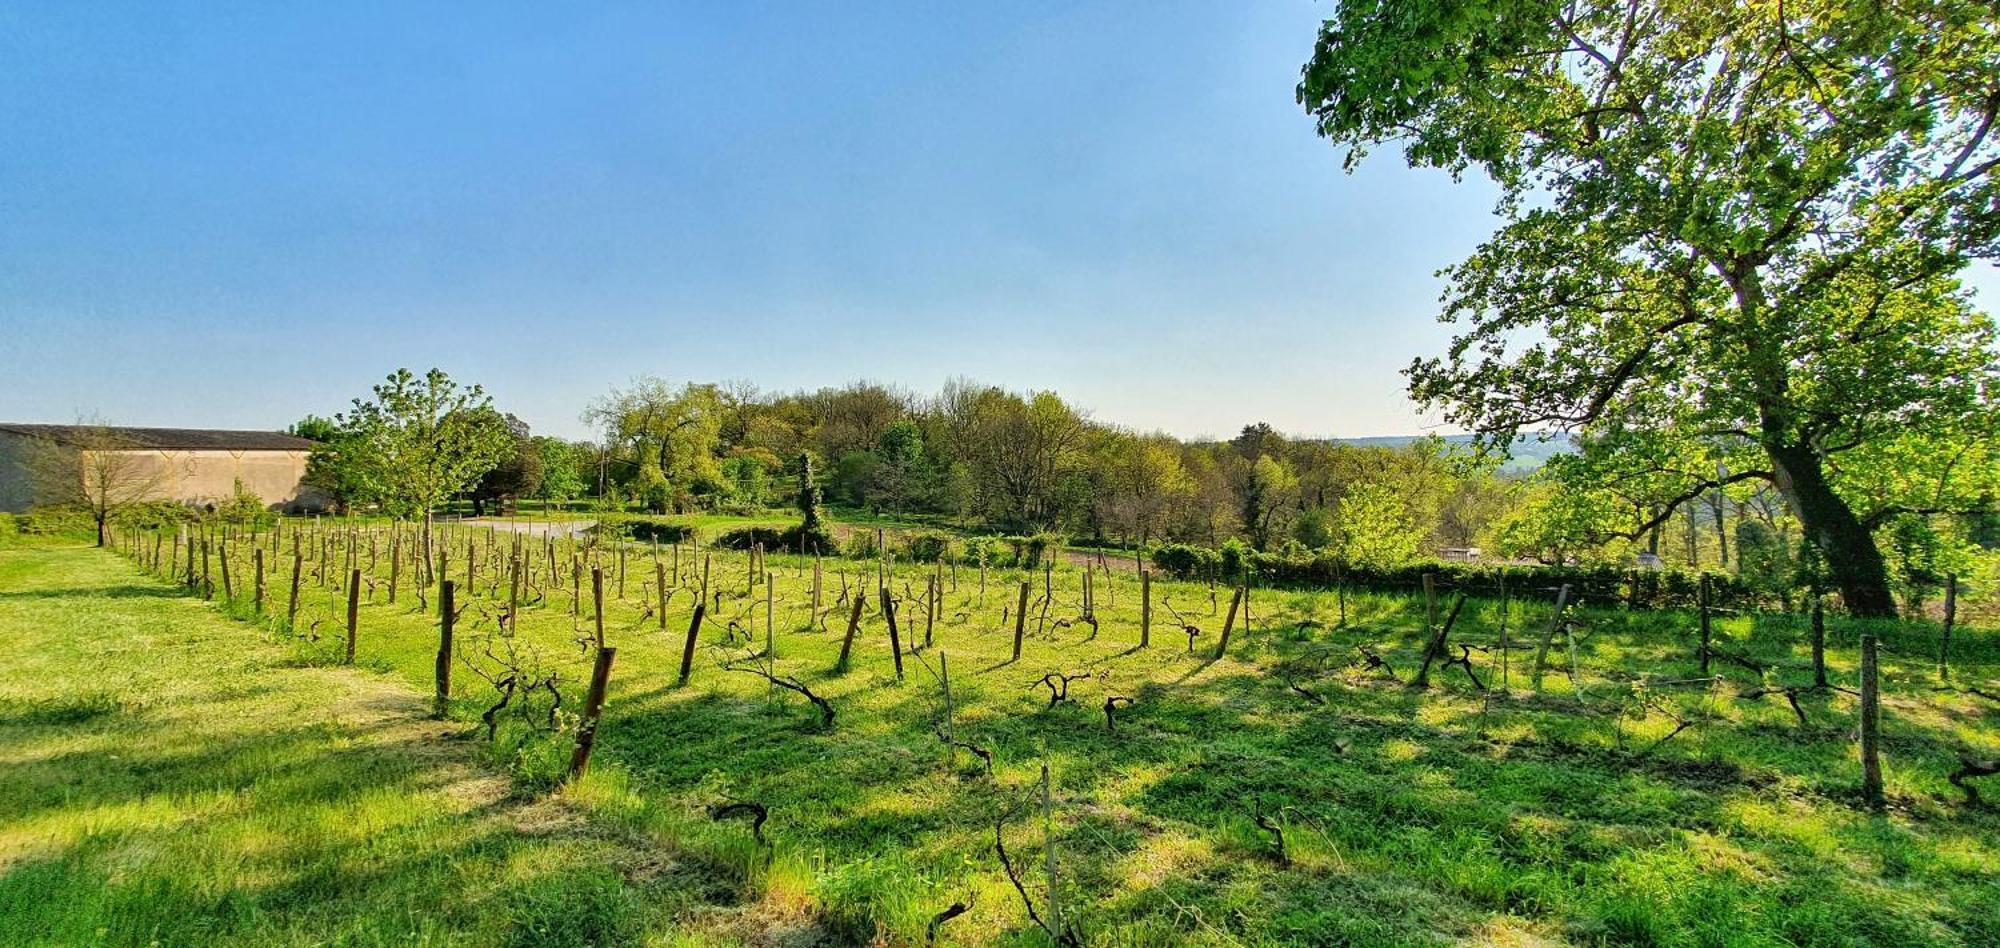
x=1599 y=584
x=155 y=515
x=645 y=529
x=927 y=547
x=56 y=521
x=743 y=538
x=245 y=508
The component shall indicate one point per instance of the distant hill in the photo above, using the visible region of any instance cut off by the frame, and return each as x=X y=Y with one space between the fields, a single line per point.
x=1529 y=451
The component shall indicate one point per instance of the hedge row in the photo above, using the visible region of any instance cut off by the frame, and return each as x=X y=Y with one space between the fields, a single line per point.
x=1640 y=588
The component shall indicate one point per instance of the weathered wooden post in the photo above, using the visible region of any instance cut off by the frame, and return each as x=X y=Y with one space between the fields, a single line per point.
x=257 y=563
x=660 y=591
x=1222 y=645
x=1021 y=619
x=228 y=585
x=1145 y=608
x=950 y=728
x=930 y=609
x=1944 y=631
x=1555 y=625
x=687 y=651
x=447 y=615
x=207 y=584
x=395 y=560
x=597 y=601
x=1819 y=642
x=1701 y=607
x=853 y=623
x=353 y=610
x=895 y=639
x=593 y=710
x=292 y=604
x=1871 y=725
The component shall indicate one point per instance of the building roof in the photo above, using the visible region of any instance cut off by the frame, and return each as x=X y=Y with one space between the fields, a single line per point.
x=199 y=439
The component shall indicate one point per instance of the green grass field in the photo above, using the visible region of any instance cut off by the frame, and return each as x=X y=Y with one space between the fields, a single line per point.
x=178 y=777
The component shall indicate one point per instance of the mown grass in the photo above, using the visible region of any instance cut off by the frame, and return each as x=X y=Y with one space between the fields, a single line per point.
x=171 y=777
x=1442 y=815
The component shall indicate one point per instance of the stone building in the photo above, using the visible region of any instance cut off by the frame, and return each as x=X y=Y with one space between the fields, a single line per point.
x=190 y=465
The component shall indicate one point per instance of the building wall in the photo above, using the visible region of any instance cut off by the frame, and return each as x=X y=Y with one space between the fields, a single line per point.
x=188 y=476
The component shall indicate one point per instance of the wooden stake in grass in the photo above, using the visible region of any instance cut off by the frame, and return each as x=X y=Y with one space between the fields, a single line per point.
x=597 y=601
x=292 y=604
x=1145 y=608
x=1049 y=852
x=395 y=561
x=1021 y=619
x=447 y=615
x=853 y=623
x=1944 y=631
x=1871 y=725
x=1222 y=644
x=687 y=651
x=660 y=591
x=593 y=709
x=1819 y=642
x=228 y=586
x=353 y=610
x=895 y=640
x=950 y=732
x=257 y=563
x=1555 y=625
x=1701 y=609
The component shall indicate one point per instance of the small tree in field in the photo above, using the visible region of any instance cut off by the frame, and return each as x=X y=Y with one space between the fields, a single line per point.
x=420 y=441
x=96 y=469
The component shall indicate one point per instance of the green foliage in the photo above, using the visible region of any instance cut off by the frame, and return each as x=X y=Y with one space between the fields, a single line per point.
x=1376 y=530
x=57 y=521
x=927 y=547
x=772 y=539
x=1712 y=243
x=245 y=509
x=415 y=443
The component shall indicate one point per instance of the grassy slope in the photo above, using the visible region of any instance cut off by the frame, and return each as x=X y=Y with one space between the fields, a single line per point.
x=167 y=777
x=1411 y=817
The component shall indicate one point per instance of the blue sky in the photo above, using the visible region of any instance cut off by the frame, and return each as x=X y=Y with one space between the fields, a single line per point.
x=231 y=215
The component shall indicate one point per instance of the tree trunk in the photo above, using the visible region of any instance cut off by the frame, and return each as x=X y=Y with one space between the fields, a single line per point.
x=1852 y=561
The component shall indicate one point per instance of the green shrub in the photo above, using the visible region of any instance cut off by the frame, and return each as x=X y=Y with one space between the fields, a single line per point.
x=927 y=547
x=645 y=529
x=56 y=521
x=743 y=538
x=155 y=515
x=245 y=508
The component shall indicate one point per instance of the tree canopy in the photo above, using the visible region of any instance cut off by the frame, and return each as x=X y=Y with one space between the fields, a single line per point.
x=1729 y=246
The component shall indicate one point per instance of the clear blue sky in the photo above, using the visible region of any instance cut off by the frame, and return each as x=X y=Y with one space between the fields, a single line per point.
x=231 y=215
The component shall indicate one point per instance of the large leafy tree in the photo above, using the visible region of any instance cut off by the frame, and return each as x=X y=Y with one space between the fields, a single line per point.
x=1736 y=225
x=418 y=442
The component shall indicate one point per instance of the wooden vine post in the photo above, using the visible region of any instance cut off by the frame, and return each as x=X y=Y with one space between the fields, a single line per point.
x=1944 y=631
x=1701 y=608
x=1145 y=607
x=257 y=562
x=853 y=623
x=1021 y=619
x=597 y=602
x=1555 y=625
x=292 y=603
x=1871 y=724
x=660 y=591
x=1235 y=601
x=447 y=615
x=593 y=709
x=353 y=610
x=687 y=650
x=895 y=639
